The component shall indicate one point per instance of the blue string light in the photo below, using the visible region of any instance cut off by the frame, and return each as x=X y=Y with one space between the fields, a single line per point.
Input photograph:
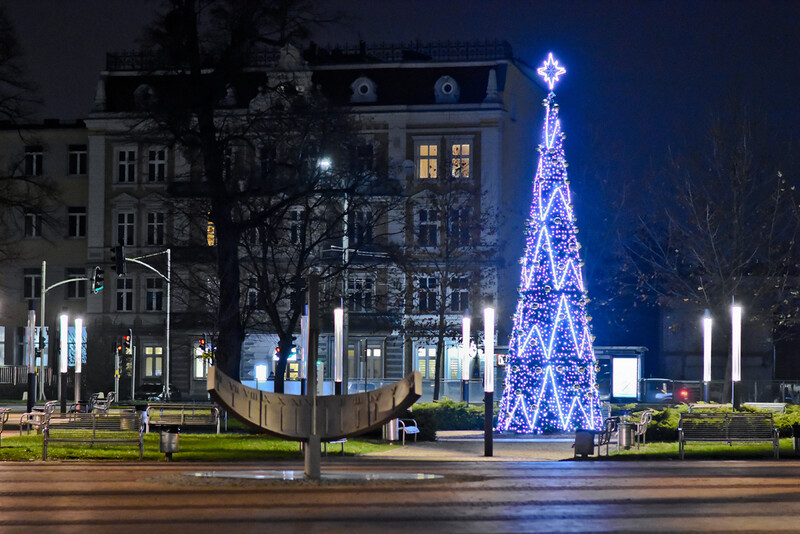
x=551 y=368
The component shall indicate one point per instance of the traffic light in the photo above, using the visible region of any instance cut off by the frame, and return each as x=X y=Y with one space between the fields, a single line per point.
x=97 y=280
x=202 y=343
x=118 y=259
x=126 y=341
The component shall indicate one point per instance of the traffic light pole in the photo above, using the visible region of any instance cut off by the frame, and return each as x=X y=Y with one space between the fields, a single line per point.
x=168 y=278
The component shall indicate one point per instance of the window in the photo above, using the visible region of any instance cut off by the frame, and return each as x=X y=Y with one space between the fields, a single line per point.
x=33 y=225
x=427 y=161
x=426 y=362
x=201 y=363
x=365 y=159
x=153 y=360
x=124 y=294
x=426 y=293
x=211 y=234
x=459 y=294
x=155 y=294
x=459 y=227
x=155 y=228
x=76 y=222
x=77 y=159
x=125 y=228
x=33 y=160
x=252 y=293
x=360 y=294
x=360 y=230
x=126 y=166
x=428 y=228
x=33 y=283
x=460 y=160
x=76 y=290
x=157 y=165
x=297 y=224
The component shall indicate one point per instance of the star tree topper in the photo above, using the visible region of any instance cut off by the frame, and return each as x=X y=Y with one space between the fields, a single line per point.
x=550 y=71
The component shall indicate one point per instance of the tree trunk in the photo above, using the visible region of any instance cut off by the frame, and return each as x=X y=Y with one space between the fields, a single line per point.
x=285 y=345
x=231 y=331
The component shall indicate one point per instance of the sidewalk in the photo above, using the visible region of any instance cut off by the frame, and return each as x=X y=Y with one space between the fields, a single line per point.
x=468 y=445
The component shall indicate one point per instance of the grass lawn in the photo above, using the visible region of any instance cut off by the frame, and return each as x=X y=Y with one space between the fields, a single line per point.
x=193 y=448
x=705 y=451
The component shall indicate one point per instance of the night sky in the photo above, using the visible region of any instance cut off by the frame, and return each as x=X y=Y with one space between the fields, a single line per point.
x=641 y=75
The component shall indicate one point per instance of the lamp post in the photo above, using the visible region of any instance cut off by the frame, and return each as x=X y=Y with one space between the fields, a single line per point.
x=465 y=329
x=707 y=322
x=736 y=352
x=63 y=359
x=338 y=349
x=78 y=357
x=488 y=380
x=31 y=354
x=303 y=351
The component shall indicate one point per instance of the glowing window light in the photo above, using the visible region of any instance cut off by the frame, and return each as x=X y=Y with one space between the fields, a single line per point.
x=488 y=350
x=736 y=343
x=338 y=345
x=550 y=71
x=261 y=373
x=707 y=324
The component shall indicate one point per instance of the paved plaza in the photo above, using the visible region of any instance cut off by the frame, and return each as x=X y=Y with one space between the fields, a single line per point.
x=510 y=493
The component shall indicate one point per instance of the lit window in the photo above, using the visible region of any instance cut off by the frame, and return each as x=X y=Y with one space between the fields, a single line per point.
x=153 y=359
x=459 y=163
x=426 y=362
x=211 y=234
x=428 y=161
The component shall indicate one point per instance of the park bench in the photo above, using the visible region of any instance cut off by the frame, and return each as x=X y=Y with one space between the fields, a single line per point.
x=606 y=433
x=408 y=426
x=640 y=431
x=4 y=413
x=182 y=415
x=36 y=417
x=727 y=427
x=696 y=406
x=123 y=427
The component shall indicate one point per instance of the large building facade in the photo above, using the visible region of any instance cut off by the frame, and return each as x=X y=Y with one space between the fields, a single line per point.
x=453 y=125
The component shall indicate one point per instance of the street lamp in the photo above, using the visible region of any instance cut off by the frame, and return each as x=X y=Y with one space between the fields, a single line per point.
x=707 y=322
x=338 y=349
x=488 y=380
x=736 y=352
x=466 y=323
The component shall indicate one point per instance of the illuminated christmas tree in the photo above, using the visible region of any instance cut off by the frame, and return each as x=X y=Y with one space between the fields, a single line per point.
x=550 y=373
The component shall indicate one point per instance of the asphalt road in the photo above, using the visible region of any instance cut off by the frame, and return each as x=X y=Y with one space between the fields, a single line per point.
x=474 y=496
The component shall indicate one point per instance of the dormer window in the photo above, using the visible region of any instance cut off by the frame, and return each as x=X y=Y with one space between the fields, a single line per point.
x=364 y=90
x=446 y=90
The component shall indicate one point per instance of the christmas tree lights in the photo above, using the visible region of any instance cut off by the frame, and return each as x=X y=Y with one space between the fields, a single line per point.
x=551 y=369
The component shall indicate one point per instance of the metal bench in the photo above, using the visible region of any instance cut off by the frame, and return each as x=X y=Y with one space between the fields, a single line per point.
x=101 y=406
x=91 y=428
x=161 y=415
x=727 y=427
x=408 y=426
x=640 y=431
x=604 y=436
x=36 y=417
x=4 y=413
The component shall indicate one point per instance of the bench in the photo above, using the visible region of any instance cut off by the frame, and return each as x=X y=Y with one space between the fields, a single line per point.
x=36 y=417
x=161 y=415
x=604 y=436
x=101 y=406
x=91 y=428
x=408 y=426
x=640 y=431
x=693 y=407
x=4 y=413
x=776 y=407
x=727 y=427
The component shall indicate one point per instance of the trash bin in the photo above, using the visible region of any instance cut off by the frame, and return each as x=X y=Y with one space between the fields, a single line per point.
x=625 y=435
x=584 y=442
x=169 y=442
x=391 y=430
